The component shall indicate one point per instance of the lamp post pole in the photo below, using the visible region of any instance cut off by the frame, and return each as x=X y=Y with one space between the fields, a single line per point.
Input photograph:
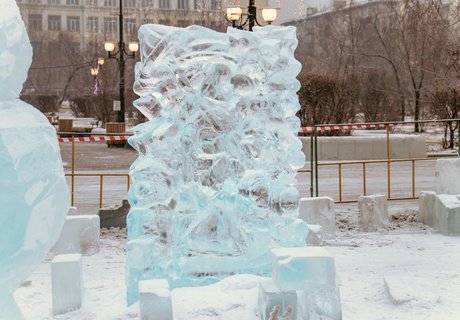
x=121 y=66
x=252 y=11
x=121 y=55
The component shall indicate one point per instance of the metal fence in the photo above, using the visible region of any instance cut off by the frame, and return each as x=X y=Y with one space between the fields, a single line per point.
x=312 y=170
x=315 y=162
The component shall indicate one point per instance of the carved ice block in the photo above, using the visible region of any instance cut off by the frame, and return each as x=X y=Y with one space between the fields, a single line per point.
x=319 y=211
x=214 y=186
x=373 y=212
x=155 y=300
x=67 y=283
x=80 y=234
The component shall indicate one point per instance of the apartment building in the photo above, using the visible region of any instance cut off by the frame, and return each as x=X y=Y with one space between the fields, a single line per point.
x=84 y=20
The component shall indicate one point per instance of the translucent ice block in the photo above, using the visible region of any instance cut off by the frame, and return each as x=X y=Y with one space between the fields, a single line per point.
x=214 y=185
x=34 y=199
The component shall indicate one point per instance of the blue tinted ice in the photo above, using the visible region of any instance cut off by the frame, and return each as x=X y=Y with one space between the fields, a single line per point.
x=214 y=184
x=33 y=193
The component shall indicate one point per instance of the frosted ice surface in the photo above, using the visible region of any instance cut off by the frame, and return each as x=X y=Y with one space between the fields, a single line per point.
x=298 y=268
x=311 y=272
x=447 y=176
x=15 y=51
x=33 y=193
x=214 y=184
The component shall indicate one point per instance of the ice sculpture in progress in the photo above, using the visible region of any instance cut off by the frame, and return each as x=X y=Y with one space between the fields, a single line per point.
x=33 y=194
x=214 y=184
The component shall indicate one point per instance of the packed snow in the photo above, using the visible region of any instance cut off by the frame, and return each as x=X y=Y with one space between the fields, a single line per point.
x=405 y=249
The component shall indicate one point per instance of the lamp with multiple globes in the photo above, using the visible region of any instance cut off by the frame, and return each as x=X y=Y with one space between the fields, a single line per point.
x=241 y=20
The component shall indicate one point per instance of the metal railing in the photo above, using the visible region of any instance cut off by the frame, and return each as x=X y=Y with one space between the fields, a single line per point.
x=315 y=164
x=101 y=176
x=101 y=183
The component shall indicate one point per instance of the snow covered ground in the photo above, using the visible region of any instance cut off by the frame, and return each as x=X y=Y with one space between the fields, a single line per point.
x=424 y=263
x=421 y=265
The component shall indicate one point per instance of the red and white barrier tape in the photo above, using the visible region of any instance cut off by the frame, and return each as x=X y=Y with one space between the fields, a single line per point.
x=94 y=138
x=310 y=129
x=346 y=127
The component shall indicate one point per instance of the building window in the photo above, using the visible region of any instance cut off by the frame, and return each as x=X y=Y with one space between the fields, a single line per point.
x=35 y=22
x=182 y=4
x=147 y=3
x=164 y=22
x=35 y=1
x=73 y=23
x=110 y=24
x=164 y=4
x=129 y=3
x=214 y=5
x=92 y=24
x=54 y=23
x=110 y=3
x=130 y=26
x=92 y=3
x=147 y=21
x=74 y=2
x=54 y=1
x=74 y=47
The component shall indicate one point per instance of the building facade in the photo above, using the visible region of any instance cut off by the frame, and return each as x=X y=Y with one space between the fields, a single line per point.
x=85 y=20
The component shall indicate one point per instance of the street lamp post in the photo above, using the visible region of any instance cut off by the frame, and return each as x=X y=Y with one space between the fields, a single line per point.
x=235 y=15
x=95 y=73
x=121 y=56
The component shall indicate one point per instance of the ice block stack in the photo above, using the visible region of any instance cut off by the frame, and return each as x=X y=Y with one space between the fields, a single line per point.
x=309 y=274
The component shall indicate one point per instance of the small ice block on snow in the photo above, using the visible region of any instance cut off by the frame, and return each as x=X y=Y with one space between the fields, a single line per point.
x=373 y=212
x=314 y=235
x=426 y=212
x=271 y=297
x=80 y=234
x=447 y=176
x=319 y=211
x=66 y=283
x=155 y=300
x=447 y=214
x=299 y=268
x=403 y=289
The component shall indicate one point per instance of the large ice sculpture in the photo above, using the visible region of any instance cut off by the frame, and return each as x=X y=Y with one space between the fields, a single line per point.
x=214 y=185
x=33 y=193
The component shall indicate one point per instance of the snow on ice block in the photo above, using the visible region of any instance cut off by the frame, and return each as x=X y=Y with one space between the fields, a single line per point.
x=155 y=300
x=80 y=234
x=404 y=289
x=426 y=212
x=447 y=176
x=66 y=283
x=314 y=235
x=319 y=211
x=319 y=302
x=299 y=268
x=373 y=212
x=271 y=299
x=139 y=256
x=447 y=214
